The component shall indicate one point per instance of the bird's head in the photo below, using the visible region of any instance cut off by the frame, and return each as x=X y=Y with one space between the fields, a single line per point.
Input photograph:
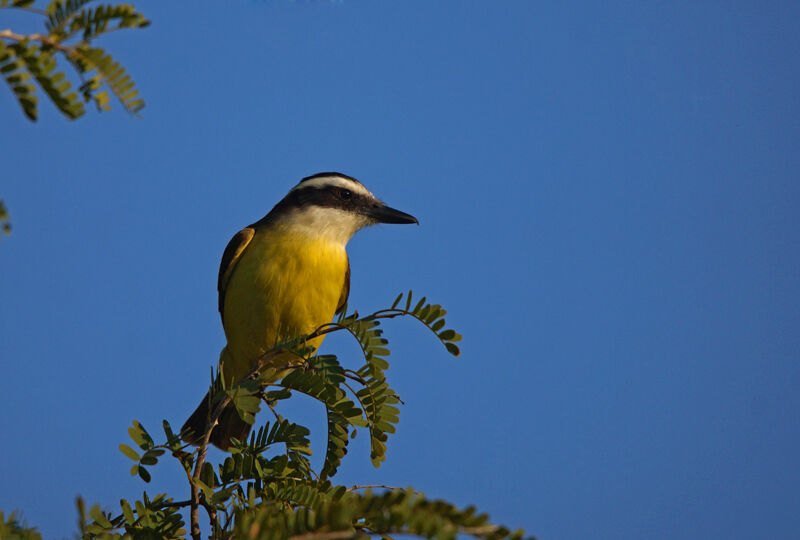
x=333 y=206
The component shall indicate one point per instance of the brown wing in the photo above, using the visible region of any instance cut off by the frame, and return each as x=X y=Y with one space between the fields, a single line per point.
x=233 y=251
x=345 y=289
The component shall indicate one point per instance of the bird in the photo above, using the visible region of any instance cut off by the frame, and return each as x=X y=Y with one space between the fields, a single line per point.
x=283 y=277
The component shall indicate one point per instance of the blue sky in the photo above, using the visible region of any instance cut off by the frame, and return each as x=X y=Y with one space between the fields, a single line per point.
x=608 y=196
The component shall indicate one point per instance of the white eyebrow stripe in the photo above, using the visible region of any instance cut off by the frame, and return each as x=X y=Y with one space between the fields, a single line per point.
x=337 y=181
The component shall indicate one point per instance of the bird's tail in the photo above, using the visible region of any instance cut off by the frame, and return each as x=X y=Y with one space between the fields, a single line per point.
x=229 y=425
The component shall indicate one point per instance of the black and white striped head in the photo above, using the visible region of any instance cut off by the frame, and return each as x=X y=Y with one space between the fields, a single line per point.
x=334 y=206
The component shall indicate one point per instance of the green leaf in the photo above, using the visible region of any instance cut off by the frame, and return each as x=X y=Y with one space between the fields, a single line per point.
x=42 y=66
x=222 y=496
x=11 y=68
x=130 y=452
x=337 y=443
x=140 y=436
x=143 y=473
x=68 y=17
x=447 y=335
x=173 y=441
x=99 y=517
x=109 y=72
x=127 y=512
x=151 y=456
x=207 y=475
x=452 y=349
x=276 y=395
x=245 y=398
x=397 y=301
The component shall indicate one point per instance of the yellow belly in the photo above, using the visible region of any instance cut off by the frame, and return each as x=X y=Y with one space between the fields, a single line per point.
x=285 y=285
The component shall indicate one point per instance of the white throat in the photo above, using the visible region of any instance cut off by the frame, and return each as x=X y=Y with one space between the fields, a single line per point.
x=319 y=222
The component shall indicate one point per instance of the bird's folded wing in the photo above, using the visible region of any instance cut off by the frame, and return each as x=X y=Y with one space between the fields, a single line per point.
x=345 y=290
x=231 y=255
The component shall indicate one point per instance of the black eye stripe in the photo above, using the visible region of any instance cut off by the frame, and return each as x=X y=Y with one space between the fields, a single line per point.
x=327 y=196
x=330 y=196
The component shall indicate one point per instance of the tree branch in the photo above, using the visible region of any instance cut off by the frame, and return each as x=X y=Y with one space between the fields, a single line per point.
x=262 y=363
x=46 y=40
x=372 y=486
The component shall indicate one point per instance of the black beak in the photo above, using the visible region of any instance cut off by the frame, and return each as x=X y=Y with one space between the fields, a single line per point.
x=385 y=214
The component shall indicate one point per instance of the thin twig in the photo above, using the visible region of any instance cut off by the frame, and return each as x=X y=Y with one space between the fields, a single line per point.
x=181 y=504
x=372 y=486
x=349 y=373
x=47 y=40
x=213 y=419
x=482 y=530
x=271 y=406
x=194 y=513
x=212 y=518
x=363 y=407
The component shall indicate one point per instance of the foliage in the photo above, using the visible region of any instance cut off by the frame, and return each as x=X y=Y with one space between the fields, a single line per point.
x=71 y=27
x=265 y=487
x=13 y=529
x=309 y=510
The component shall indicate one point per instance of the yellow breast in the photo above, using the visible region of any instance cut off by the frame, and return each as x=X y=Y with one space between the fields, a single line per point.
x=283 y=286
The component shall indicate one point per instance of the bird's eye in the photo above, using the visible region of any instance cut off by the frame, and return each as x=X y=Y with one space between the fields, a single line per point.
x=345 y=193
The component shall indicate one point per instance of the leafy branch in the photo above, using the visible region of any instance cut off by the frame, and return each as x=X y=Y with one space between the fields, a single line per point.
x=71 y=26
x=14 y=527
x=265 y=487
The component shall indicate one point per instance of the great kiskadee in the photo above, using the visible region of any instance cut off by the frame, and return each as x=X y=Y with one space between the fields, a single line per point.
x=283 y=277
